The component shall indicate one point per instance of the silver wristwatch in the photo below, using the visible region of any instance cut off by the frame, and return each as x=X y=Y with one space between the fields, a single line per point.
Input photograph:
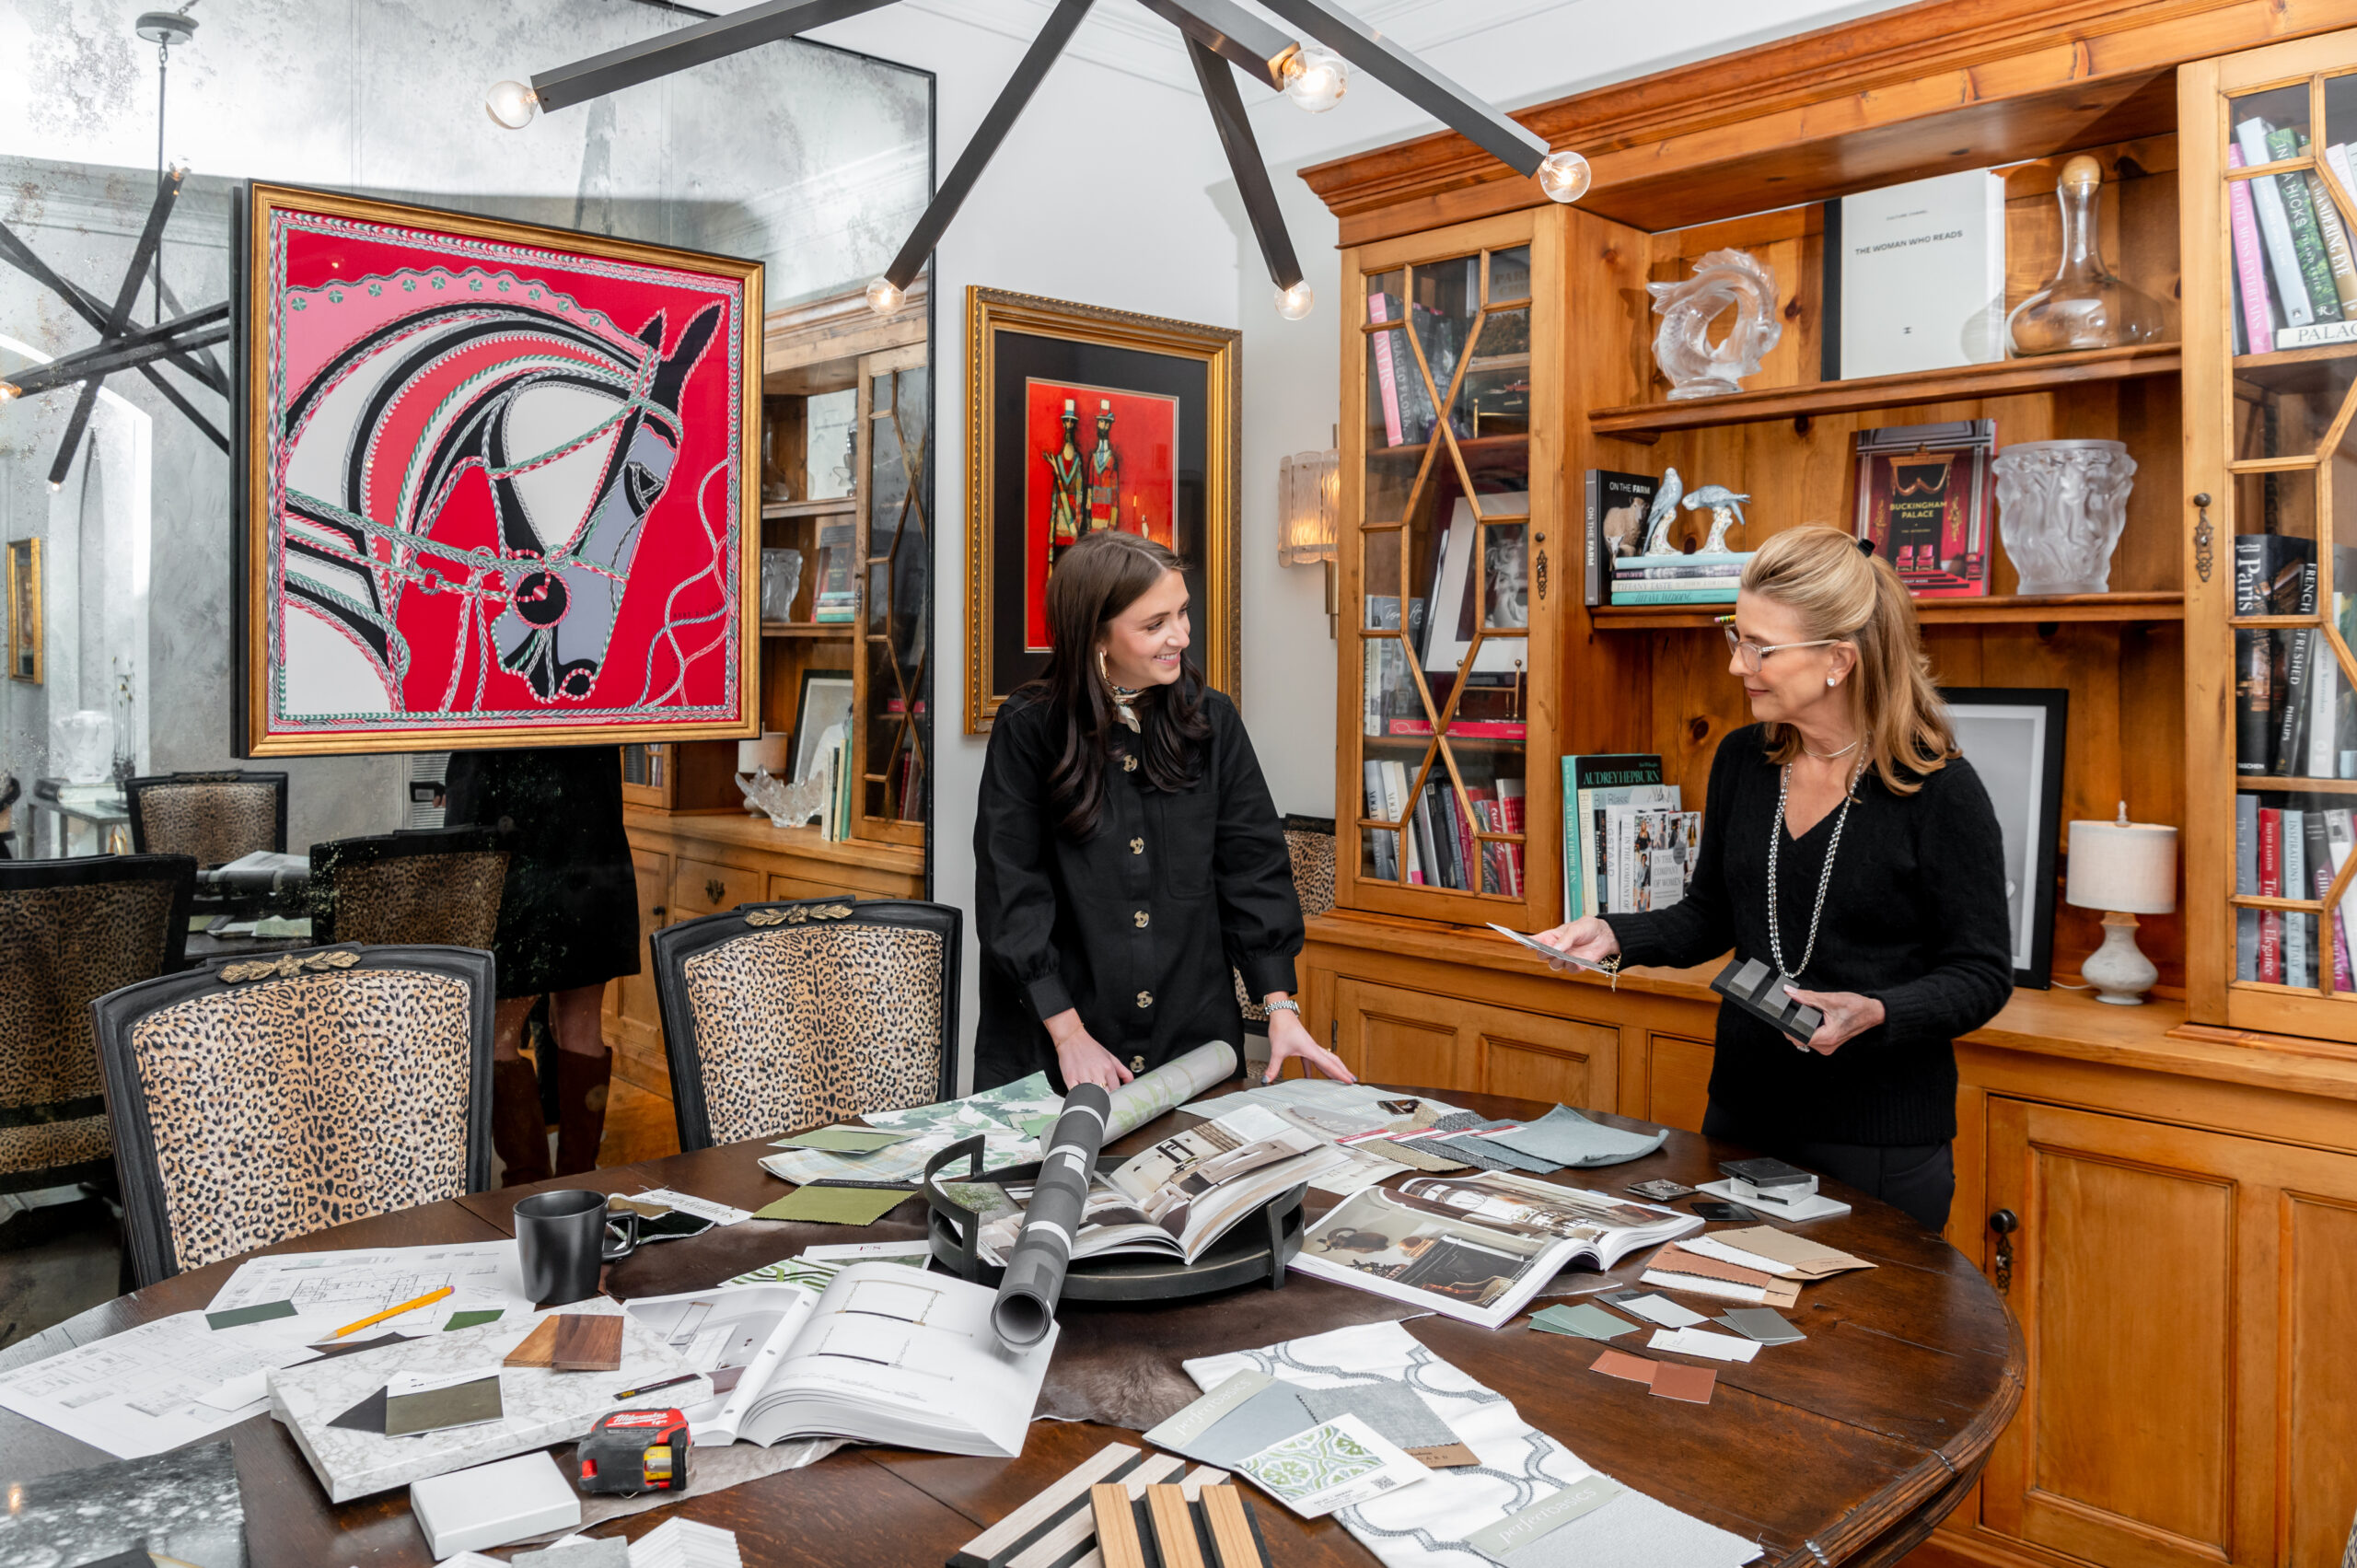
x=1285 y=1006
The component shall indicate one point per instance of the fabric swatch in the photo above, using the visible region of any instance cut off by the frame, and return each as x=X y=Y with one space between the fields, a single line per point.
x=1631 y=1531
x=835 y=1205
x=1567 y=1138
x=609 y=1553
x=1393 y=1411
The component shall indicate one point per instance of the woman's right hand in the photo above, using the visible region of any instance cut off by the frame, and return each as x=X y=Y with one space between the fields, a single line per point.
x=1588 y=937
x=1080 y=1058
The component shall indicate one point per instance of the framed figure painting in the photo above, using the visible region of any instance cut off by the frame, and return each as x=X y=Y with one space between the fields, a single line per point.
x=2013 y=737
x=24 y=610
x=498 y=484
x=1080 y=419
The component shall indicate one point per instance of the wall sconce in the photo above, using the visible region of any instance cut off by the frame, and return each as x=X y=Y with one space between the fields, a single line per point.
x=1309 y=509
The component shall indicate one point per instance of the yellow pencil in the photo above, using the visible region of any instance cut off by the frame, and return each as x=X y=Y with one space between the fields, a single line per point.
x=430 y=1296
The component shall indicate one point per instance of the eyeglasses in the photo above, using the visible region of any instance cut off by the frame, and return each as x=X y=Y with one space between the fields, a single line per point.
x=1751 y=655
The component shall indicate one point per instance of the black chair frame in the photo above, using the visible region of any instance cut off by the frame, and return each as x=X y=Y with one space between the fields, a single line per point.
x=83 y=871
x=333 y=856
x=672 y=946
x=133 y=788
x=147 y=1228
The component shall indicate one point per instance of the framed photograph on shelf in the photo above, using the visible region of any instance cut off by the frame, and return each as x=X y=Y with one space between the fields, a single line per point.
x=497 y=484
x=2013 y=737
x=1498 y=598
x=1084 y=418
x=825 y=701
x=24 y=610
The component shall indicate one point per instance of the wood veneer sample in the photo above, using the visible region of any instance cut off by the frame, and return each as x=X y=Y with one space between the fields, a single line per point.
x=1174 y=1527
x=588 y=1343
x=1235 y=1537
x=1117 y=1526
x=539 y=1347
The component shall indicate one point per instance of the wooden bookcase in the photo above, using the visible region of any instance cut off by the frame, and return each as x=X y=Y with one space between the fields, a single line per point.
x=2181 y=1177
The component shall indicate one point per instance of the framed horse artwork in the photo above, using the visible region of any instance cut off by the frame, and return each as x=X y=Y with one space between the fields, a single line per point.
x=1083 y=418
x=498 y=484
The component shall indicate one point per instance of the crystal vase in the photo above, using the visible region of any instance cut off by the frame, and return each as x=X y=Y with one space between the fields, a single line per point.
x=2060 y=507
x=2085 y=305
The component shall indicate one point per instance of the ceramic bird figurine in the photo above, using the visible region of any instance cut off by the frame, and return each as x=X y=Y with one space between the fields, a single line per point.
x=1726 y=512
x=1664 y=513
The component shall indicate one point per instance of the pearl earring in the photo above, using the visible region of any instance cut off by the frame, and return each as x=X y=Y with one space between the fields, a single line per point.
x=1831 y=681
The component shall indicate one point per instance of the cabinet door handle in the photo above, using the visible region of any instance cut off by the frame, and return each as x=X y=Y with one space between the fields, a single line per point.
x=658 y=912
x=2004 y=1222
x=2202 y=535
x=712 y=890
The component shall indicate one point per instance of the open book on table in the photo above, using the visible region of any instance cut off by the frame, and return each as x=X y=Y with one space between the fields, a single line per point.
x=1477 y=1246
x=882 y=1354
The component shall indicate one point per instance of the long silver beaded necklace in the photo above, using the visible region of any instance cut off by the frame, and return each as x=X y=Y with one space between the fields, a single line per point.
x=1775 y=840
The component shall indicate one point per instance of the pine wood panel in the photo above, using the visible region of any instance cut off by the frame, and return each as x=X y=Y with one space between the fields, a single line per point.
x=1679 y=1087
x=1543 y=1058
x=629 y=1020
x=2319 y=1491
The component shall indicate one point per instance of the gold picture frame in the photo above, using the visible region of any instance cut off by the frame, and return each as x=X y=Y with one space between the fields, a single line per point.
x=1024 y=353
x=638 y=323
x=24 y=610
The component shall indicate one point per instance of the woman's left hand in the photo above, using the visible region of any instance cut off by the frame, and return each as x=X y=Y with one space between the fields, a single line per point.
x=1287 y=1039
x=1847 y=1016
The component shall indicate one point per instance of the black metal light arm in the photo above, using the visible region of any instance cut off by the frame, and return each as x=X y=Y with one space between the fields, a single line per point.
x=1244 y=161
x=1232 y=32
x=1460 y=111
x=142 y=255
x=696 y=45
x=198 y=328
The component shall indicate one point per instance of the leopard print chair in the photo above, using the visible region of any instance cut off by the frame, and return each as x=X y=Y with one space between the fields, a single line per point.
x=215 y=816
x=783 y=1016
x=438 y=885
x=1309 y=840
x=70 y=932
x=256 y=1099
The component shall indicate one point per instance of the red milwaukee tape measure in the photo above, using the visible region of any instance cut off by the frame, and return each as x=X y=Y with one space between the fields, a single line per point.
x=634 y=1451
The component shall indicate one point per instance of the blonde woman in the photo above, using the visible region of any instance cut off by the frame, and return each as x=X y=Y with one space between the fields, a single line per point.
x=1846 y=842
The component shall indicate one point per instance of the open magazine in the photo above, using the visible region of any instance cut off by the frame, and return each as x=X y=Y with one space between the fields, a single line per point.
x=1177 y=1198
x=880 y=1354
x=1477 y=1246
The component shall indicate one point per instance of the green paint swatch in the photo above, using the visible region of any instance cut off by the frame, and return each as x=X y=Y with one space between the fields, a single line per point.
x=260 y=1314
x=470 y=1319
x=843 y=1139
x=835 y=1205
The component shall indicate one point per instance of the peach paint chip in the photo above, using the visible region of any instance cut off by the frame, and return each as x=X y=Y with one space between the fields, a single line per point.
x=1674 y=1380
x=1621 y=1363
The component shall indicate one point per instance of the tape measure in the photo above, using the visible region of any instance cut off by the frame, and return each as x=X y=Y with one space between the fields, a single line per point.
x=634 y=1451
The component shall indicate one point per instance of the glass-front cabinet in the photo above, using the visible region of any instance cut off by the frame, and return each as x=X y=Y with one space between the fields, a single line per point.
x=1449 y=534
x=2269 y=212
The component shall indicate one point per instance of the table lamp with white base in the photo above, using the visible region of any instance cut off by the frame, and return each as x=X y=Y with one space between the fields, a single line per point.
x=2125 y=869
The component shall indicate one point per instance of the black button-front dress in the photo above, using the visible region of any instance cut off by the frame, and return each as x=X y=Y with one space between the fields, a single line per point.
x=568 y=916
x=1136 y=926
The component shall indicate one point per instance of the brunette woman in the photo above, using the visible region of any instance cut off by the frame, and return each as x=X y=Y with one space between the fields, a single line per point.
x=1126 y=850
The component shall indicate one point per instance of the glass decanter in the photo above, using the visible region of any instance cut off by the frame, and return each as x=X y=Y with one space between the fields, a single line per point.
x=2086 y=305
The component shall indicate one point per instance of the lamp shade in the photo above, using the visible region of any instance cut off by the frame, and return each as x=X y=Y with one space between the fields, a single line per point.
x=767 y=754
x=1309 y=505
x=2123 y=865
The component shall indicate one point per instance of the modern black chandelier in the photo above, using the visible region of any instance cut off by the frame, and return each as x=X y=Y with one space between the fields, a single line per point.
x=1221 y=38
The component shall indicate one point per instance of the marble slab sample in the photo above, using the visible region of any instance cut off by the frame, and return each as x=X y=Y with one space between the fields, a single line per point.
x=184 y=1505
x=540 y=1407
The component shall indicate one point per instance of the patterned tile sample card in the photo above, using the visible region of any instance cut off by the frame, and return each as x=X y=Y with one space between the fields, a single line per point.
x=1336 y=1465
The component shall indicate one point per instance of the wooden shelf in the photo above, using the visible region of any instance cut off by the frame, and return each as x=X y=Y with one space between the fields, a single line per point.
x=830 y=632
x=2013 y=608
x=2317 y=355
x=832 y=507
x=2007 y=378
x=2268 y=784
x=1468 y=444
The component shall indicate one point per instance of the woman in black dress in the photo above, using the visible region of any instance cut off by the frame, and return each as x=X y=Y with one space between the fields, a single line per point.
x=1126 y=850
x=568 y=923
x=1848 y=844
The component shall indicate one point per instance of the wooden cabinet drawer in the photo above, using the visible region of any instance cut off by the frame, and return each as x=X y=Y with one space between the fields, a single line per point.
x=1677 y=1081
x=783 y=887
x=705 y=887
x=1390 y=1035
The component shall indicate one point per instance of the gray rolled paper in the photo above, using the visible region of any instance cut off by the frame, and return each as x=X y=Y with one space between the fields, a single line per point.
x=1034 y=1281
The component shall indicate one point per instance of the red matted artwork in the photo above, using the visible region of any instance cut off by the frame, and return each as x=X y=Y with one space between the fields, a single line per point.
x=499 y=483
x=1097 y=459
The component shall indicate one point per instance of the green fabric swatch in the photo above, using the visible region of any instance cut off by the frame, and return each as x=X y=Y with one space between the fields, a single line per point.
x=470 y=1319
x=835 y=1205
x=260 y=1314
x=843 y=1139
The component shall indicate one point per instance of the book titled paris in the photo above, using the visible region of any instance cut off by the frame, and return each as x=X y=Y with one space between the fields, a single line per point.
x=1926 y=500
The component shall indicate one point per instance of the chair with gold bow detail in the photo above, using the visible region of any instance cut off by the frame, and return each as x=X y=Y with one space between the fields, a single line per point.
x=217 y=816
x=261 y=1099
x=780 y=1017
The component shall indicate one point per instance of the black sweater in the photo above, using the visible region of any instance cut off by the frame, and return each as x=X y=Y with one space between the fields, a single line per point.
x=1916 y=916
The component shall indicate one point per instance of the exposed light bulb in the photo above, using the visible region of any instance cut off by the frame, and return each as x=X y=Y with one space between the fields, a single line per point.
x=884 y=297
x=1564 y=176
x=55 y=485
x=10 y=391
x=511 y=104
x=1316 y=79
x=1297 y=302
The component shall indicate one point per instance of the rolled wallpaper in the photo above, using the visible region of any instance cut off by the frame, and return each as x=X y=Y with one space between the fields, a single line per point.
x=1169 y=1086
x=1034 y=1281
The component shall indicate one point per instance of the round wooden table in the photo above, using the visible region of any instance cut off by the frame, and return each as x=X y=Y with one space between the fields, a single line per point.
x=1847 y=1447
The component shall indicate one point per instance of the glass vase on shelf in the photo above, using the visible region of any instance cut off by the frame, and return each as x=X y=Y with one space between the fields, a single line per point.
x=2086 y=305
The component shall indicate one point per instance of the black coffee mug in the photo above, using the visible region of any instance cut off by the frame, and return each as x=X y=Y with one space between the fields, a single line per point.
x=560 y=1237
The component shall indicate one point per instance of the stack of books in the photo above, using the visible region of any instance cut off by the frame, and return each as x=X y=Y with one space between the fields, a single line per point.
x=1440 y=846
x=2295 y=716
x=838 y=595
x=2291 y=847
x=2288 y=232
x=1628 y=847
x=1677 y=579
